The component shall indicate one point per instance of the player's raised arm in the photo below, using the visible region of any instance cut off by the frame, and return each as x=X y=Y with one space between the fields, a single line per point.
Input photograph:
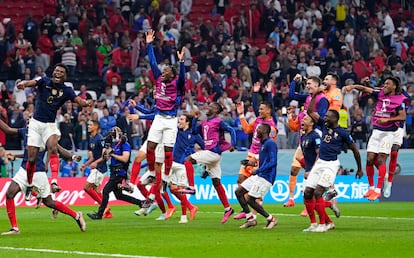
x=149 y=38
x=181 y=76
x=364 y=89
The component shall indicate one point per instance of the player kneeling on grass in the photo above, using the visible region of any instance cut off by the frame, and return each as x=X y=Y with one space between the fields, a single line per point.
x=261 y=180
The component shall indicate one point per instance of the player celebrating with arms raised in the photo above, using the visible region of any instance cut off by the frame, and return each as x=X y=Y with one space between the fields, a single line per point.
x=164 y=127
x=51 y=95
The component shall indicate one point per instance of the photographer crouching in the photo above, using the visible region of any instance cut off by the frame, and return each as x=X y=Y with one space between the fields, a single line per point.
x=118 y=151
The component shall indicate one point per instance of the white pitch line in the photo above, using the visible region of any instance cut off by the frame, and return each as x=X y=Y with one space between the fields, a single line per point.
x=72 y=252
x=342 y=216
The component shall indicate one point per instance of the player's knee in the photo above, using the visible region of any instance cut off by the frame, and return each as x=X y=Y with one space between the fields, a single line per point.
x=308 y=194
x=49 y=202
x=216 y=181
x=294 y=171
x=151 y=145
x=87 y=186
x=10 y=194
x=239 y=191
x=168 y=149
x=189 y=159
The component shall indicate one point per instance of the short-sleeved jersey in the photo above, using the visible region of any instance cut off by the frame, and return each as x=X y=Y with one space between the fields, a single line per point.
x=50 y=98
x=309 y=144
x=332 y=141
x=118 y=149
x=95 y=146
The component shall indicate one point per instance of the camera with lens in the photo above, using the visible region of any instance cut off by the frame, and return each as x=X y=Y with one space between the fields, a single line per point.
x=109 y=139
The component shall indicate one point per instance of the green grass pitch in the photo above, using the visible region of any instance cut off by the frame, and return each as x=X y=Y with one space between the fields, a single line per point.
x=364 y=230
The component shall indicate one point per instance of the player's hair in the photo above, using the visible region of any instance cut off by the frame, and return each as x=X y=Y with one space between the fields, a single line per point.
x=397 y=84
x=314 y=122
x=96 y=123
x=218 y=106
x=266 y=128
x=267 y=104
x=334 y=76
x=189 y=119
x=173 y=69
x=315 y=79
x=336 y=113
x=63 y=66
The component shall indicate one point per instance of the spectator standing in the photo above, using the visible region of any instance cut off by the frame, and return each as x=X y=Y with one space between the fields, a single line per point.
x=107 y=121
x=31 y=30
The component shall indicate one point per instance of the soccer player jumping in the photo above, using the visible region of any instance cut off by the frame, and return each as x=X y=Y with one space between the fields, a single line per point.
x=51 y=95
x=164 y=127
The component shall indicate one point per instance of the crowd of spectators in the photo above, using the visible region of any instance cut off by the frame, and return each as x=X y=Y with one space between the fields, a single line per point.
x=223 y=59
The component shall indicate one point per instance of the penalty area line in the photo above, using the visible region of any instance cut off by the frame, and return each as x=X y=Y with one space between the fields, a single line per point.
x=72 y=252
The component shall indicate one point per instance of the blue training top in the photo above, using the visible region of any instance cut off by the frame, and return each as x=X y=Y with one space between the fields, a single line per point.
x=268 y=160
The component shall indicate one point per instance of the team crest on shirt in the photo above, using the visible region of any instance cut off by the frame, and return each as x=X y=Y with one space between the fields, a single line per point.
x=92 y=145
x=54 y=92
x=337 y=97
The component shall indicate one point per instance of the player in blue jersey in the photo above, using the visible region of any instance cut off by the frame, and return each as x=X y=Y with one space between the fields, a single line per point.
x=19 y=183
x=51 y=95
x=310 y=143
x=97 y=165
x=323 y=172
x=118 y=152
x=313 y=84
x=261 y=180
x=164 y=126
x=184 y=146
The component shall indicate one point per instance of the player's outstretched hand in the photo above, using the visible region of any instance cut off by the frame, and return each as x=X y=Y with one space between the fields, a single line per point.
x=347 y=89
x=21 y=85
x=181 y=54
x=256 y=87
x=132 y=103
x=133 y=117
x=240 y=108
x=149 y=36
